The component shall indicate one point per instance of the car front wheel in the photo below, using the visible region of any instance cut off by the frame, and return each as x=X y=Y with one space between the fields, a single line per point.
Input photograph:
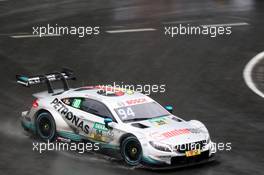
x=131 y=151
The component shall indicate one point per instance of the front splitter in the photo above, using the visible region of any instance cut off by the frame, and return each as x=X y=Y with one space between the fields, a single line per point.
x=180 y=165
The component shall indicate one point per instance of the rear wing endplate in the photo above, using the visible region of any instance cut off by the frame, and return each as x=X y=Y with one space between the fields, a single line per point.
x=64 y=75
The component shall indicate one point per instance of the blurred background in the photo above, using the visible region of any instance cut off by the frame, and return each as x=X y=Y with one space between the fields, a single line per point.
x=203 y=75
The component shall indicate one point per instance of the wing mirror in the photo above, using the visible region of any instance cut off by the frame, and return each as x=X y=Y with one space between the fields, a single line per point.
x=108 y=122
x=169 y=108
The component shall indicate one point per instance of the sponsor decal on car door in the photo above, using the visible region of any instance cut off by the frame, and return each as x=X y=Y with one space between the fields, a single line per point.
x=73 y=117
x=101 y=133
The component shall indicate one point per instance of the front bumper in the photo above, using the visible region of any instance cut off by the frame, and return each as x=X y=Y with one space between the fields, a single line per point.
x=154 y=157
x=180 y=162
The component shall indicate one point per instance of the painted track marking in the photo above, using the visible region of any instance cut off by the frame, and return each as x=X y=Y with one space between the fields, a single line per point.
x=226 y=25
x=32 y=36
x=131 y=30
x=247 y=73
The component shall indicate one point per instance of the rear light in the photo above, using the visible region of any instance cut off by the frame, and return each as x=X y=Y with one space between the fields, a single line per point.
x=35 y=103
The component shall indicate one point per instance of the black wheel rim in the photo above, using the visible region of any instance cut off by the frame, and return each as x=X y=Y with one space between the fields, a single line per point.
x=133 y=151
x=45 y=126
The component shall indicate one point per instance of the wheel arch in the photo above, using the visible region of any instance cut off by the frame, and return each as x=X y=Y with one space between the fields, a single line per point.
x=39 y=112
x=123 y=137
x=47 y=111
x=60 y=123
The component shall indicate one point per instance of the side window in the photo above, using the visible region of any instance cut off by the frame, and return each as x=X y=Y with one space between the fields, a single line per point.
x=96 y=108
x=73 y=102
x=88 y=105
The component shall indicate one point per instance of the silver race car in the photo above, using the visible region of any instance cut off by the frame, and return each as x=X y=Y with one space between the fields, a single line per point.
x=138 y=127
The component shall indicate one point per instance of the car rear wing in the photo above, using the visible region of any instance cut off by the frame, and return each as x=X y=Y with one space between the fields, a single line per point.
x=64 y=75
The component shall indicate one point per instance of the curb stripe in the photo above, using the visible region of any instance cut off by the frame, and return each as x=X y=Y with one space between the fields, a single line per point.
x=247 y=74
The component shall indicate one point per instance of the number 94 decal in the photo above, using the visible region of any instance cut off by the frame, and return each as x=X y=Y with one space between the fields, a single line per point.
x=125 y=113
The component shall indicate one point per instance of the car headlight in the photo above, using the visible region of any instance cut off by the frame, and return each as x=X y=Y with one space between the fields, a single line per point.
x=160 y=146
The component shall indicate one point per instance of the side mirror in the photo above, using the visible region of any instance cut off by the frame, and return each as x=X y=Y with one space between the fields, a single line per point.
x=169 y=108
x=107 y=121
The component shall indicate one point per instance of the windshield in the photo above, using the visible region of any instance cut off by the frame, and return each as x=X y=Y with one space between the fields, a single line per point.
x=141 y=112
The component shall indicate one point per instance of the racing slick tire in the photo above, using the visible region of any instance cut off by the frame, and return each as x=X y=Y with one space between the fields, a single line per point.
x=45 y=126
x=131 y=151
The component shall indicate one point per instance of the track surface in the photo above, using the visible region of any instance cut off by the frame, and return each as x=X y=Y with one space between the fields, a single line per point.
x=203 y=75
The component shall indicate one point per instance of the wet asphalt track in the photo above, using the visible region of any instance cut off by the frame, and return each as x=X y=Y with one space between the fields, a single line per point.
x=203 y=75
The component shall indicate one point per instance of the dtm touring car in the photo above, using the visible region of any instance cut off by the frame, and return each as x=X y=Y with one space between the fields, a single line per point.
x=143 y=132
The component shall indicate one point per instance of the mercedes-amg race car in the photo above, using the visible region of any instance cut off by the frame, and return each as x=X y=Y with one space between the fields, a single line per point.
x=138 y=127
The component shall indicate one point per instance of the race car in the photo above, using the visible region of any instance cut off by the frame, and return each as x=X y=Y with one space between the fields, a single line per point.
x=143 y=131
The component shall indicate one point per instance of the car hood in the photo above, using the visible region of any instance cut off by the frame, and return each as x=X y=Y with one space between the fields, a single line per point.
x=171 y=130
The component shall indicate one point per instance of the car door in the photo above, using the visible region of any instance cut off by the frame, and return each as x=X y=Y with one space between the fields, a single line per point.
x=98 y=111
x=79 y=120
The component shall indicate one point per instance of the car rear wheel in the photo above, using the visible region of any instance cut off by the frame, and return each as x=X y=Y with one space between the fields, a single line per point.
x=131 y=151
x=45 y=126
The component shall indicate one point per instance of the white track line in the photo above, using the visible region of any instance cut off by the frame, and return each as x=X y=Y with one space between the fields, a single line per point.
x=32 y=36
x=131 y=30
x=237 y=17
x=227 y=24
x=248 y=71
